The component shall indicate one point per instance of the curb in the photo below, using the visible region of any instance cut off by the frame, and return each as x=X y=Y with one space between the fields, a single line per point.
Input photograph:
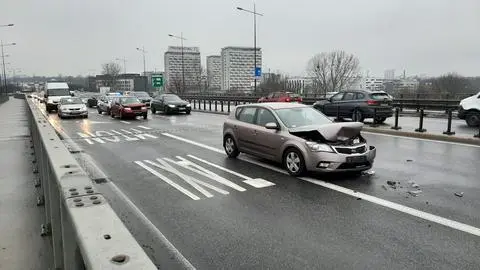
x=427 y=136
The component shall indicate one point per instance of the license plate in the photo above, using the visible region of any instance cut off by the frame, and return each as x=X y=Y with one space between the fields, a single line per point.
x=356 y=159
x=181 y=109
x=75 y=112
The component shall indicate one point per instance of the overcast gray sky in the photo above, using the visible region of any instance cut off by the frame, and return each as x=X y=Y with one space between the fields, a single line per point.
x=75 y=37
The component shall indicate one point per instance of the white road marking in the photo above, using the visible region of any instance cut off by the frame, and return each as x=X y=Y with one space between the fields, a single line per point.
x=126 y=131
x=96 y=122
x=144 y=127
x=168 y=181
x=108 y=137
x=127 y=138
x=420 y=139
x=125 y=122
x=395 y=206
x=254 y=182
x=207 y=173
x=89 y=139
x=258 y=183
x=190 y=180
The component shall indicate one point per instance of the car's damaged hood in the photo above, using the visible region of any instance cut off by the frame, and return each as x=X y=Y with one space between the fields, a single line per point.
x=329 y=132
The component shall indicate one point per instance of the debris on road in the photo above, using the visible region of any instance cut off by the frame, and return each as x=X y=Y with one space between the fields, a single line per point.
x=368 y=173
x=414 y=192
x=415 y=185
x=409 y=160
x=459 y=194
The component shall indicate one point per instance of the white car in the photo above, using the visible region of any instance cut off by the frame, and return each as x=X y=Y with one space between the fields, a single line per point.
x=469 y=110
x=72 y=107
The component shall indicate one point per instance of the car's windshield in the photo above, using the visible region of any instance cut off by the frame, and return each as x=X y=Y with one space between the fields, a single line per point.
x=303 y=116
x=129 y=100
x=73 y=100
x=140 y=94
x=379 y=96
x=58 y=92
x=172 y=98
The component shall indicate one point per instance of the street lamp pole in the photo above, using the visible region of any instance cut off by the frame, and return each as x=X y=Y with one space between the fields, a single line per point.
x=255 y=14
x=183 y=61
x=4 y=73
x=142 y=50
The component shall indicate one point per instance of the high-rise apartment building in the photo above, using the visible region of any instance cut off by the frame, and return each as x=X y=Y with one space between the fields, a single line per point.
x=214 y=70
x=192 y=67
x=389 y=74
x=237 y=68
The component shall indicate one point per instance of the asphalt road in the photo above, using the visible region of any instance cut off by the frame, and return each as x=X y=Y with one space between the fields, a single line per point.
x=248 y=214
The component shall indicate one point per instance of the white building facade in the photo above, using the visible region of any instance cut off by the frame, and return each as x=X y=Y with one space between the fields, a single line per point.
x=237 y=68
x=192 y=67
x=214 y=72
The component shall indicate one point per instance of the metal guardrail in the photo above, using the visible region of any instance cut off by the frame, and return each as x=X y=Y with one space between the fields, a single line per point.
x=427 y=104
x=85 y=231
x=3 y=98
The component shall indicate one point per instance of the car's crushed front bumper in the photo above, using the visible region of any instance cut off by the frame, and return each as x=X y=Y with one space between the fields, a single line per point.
x=338 y=162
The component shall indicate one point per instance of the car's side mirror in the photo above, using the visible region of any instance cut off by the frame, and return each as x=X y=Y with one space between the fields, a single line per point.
x=271 y=125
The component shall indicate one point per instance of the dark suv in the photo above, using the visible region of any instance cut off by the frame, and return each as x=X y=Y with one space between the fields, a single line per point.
x=358 y=105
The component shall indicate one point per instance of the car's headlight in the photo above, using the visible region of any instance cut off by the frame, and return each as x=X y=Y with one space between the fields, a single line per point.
x=144 y=108
x=83 y=108
x=319 y=147
x=171 y=106
x=189 y=105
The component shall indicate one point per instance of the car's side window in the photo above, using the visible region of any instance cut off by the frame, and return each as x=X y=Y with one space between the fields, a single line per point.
x=360 y=96
x=337 y=97
x=264 y=116
x=349 y=96
x=247 y=115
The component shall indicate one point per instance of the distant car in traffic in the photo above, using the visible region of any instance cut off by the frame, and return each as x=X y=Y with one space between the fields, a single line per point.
x=281 y=97
x=93 y=100
x=104 y=104
x=126 y=106
x=469 y=110
x=357 y=105
x=170 y=103
x=298 y=136
x=144 y=97
x=72 y=107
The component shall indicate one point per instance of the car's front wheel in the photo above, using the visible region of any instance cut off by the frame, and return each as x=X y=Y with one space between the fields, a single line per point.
x=357 y=116
x=230 y=147
x=473 y=119
x=294 y=162
x=145 y=116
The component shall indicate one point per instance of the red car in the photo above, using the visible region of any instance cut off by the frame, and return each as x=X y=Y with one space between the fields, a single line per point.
x=128 y=107
x=281 y=97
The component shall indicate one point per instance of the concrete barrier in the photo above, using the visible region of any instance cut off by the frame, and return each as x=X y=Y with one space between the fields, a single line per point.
x=84 y=231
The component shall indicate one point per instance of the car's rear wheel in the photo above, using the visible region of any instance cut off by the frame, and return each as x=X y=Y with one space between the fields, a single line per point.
x=145 y=116
x=153 y=110
x=99 y=111
x=473 y=119
x=380 y=120
x=112 y=115
x=188 y=112
x=165 y=110
x=230 y=147
x=294 y=162
x=357 y=116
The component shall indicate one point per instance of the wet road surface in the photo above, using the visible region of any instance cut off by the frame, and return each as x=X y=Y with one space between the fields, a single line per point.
x=246 y=213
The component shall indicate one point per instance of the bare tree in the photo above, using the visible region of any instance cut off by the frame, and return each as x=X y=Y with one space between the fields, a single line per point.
x=175 y=84
x=451 y=83
x=333 y=71
x=199 y=79
x=272 y=82
x=111 y=70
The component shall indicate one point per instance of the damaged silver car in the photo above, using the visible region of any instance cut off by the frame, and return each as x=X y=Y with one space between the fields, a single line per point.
x=300 y=137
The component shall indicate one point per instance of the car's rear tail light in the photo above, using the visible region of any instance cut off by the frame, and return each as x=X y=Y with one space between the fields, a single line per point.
x=299 y=99
x=287 y=99
x=372 y=102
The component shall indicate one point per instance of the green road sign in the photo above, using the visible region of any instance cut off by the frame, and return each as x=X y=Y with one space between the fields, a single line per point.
x=157 y=81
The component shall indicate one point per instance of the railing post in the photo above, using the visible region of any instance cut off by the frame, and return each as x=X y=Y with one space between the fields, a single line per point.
x=215 y=105
x=397 y=112
x=478 y=134
x=374 y=124
x=418 y=102
x=221 y=105
x=338 y=114
x=420 y=126
x=449 y=124
x=228 y=106
x=204 y=104
x=210 y=105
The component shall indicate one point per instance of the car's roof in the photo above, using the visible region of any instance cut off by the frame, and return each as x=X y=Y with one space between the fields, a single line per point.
x=276 y=105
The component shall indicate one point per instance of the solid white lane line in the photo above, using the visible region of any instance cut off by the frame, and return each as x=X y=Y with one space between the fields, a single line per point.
x=175 y=252
x=144 y=127
x=420 y=139
x=168 y=181
x=125 y=122
x=395 y=206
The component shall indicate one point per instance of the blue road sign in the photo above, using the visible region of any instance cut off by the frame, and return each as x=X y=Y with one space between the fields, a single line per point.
x=258 y=72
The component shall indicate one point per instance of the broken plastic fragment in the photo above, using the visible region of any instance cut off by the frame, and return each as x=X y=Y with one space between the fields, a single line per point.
x=369 y=173
x=415 y=185
x=414 y=192
x=459 y=194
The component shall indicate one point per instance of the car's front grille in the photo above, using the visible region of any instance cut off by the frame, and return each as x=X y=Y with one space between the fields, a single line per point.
x=351 y=150
x=136 y=108
x=74 y=109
